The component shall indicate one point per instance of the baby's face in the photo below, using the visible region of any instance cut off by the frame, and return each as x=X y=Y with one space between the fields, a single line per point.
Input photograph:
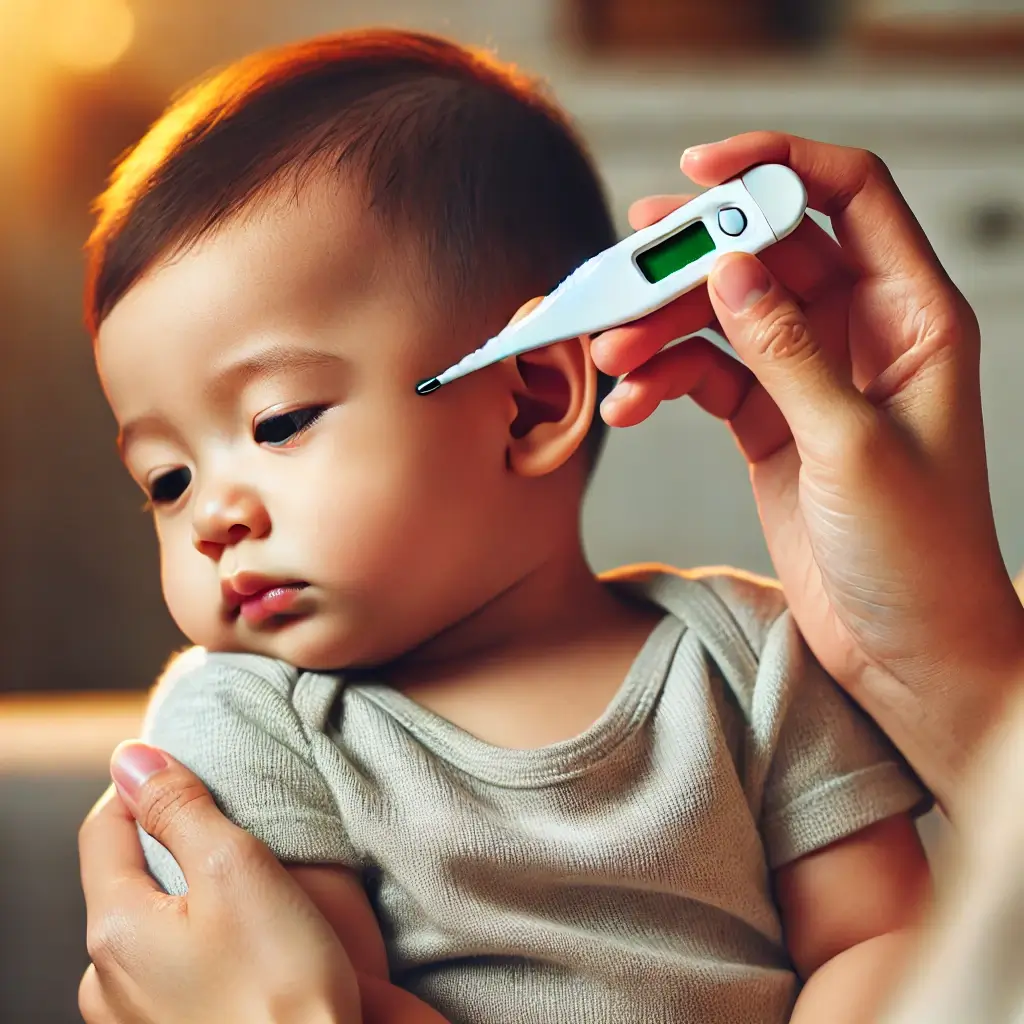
x=309 y=504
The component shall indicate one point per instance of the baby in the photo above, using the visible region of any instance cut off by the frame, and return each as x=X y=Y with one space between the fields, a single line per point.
x=519 y=792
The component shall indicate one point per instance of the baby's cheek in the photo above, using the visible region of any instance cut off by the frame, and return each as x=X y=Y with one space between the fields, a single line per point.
x=189 y=599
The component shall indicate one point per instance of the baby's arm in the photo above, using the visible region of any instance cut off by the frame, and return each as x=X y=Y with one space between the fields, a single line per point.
x=251 y=729
x=339 y=895
x=849 y=911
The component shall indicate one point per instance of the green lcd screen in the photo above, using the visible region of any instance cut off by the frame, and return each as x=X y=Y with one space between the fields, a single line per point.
x=675 y=252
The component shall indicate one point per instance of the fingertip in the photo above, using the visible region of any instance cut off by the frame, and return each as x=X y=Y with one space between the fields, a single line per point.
x=132 y=764
x=621 y=350
x=649 y=210
x=600 y=352
x=739 y=281
x=630 y=402
x=635 y=216
x=613 y=359
x=694 y=160
x=613 y=407
x=609 y=352
x=690 y=157
x=617 y=416
x=715 y=162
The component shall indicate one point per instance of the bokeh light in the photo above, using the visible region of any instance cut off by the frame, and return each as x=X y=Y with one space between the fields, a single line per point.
x=90 y=35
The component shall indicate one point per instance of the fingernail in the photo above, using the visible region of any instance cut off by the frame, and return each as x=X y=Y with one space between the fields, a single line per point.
x=619 y=393
x=693 y=151
x=598 y=349
x=133 y=764
x=741 y=281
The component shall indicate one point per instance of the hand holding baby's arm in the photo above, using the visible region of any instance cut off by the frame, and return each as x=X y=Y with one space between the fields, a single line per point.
x=232 y=937
x=849 y=912
x=243 y=945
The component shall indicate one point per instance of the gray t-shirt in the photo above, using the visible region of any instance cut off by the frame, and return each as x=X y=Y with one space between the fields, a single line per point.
x=620 y=876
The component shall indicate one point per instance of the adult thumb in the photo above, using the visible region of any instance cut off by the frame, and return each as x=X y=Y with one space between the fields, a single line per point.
x=812 y=388
x=171 y=803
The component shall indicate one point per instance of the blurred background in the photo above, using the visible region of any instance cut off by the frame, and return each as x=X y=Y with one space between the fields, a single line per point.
x=936 y=87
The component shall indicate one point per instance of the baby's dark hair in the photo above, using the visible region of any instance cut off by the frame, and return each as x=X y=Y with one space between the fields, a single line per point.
x=462 y=154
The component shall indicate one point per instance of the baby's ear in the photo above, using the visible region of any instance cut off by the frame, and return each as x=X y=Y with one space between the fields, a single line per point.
x=554 y=391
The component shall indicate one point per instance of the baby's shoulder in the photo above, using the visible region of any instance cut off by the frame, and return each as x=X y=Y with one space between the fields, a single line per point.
x=252 y=729
x=718 y=598
x=196 y=667
x=220 y=693
x=754 y=602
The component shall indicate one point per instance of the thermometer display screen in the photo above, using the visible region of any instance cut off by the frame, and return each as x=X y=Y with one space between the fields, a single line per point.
x=675 y=252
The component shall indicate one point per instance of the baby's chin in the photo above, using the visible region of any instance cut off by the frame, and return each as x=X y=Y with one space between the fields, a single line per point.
x=308 y=643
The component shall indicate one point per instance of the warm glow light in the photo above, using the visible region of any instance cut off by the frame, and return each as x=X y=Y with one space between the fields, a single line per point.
x=90 y=35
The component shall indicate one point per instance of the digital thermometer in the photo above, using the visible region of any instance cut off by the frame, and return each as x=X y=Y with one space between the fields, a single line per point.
x=652 y=267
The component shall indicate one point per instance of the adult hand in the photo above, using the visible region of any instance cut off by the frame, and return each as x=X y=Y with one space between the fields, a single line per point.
x=244 y=945
x=859 y=412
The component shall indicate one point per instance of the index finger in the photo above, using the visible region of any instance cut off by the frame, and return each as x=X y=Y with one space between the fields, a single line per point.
x=851 y=186
x=110 y=855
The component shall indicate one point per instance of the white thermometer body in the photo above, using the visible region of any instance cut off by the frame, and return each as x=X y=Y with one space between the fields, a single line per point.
x=652 y=267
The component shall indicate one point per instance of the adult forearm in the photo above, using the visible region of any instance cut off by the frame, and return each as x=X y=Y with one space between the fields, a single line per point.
x=969 y=963
x=942 y=723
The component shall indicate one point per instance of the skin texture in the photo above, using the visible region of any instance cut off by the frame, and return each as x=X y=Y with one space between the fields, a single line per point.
x=541 y=426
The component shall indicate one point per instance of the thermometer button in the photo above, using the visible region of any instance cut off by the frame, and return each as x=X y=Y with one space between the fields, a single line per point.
x=732 y=221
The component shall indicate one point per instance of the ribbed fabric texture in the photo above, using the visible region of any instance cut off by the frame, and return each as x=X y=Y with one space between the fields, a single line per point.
x=620 y=876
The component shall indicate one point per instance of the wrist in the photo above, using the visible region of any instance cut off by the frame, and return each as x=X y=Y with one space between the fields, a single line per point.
x=1001 y=695
x=941 y=702
x=971 y=696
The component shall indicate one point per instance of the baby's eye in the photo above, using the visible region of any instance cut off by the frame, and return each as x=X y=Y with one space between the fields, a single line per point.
x=279 y=430
x=170 y=487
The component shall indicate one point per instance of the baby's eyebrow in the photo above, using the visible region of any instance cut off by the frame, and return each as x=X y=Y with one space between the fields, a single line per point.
x=265 y=362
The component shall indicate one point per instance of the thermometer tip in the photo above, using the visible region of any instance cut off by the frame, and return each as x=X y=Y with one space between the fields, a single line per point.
x=427 y=385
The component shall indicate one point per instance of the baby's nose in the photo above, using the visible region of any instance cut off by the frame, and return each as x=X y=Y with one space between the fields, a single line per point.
x=225 y=517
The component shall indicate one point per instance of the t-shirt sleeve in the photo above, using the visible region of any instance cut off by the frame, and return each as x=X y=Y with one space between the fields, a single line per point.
x=822 y=769
x=249 y=727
